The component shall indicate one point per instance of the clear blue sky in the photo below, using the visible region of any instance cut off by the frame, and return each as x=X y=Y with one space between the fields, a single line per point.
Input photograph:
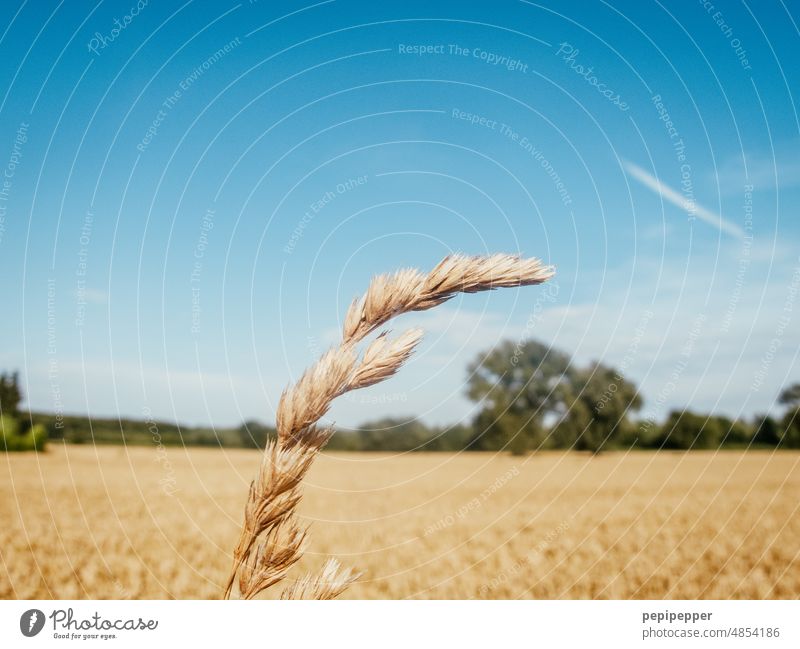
x=194 y=193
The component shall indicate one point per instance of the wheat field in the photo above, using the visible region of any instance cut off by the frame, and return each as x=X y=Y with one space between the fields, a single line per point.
x=111 y=522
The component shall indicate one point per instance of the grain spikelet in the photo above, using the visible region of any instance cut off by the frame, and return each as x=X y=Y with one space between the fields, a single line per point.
x=329 y=584
x=272 y=540
x=384 y=357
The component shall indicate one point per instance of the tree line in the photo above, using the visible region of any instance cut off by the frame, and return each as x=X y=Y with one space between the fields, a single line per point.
x=529 y=397
x=533 y=397
x=16 y=432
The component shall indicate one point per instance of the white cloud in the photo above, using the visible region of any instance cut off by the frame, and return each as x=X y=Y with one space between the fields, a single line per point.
x=679 y=200
x=765 y=172
x=92 y=296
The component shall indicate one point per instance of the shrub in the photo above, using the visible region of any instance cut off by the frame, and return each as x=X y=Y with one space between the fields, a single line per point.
x=11 y=439
x=38 y=437
x=9 y=433
x=687 y=430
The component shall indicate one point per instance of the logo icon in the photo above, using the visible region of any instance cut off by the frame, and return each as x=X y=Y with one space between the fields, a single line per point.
x=31 y=622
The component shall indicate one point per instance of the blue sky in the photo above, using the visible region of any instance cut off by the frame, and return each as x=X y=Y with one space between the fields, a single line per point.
x=194 y=193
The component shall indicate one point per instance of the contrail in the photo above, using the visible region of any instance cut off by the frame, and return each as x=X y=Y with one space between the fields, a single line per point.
x=676 y=198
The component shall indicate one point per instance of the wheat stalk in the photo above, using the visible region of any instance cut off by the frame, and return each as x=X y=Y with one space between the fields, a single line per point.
x=272 y=539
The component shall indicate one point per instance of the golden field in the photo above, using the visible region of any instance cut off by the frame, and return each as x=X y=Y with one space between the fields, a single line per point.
x=111 y=522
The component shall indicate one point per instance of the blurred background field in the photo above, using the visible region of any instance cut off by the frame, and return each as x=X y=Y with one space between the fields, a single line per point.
x=83 y=521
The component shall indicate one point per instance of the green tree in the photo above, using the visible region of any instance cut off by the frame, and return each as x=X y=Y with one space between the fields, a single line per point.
x=15 y=435
x=10 y=393
x=790 y=396
x=767 y=431
x=9 y=433
x=37 y=437
x=790 y=437
x=735 y=432
x=687 y=430
x=600 y=401
x=254 y=434
x=13 y=438
x=394 y=434
x=451 y=438
x=518 y=387
x=790 y=424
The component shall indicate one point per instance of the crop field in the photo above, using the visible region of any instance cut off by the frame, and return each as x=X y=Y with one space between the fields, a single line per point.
x=111 y=522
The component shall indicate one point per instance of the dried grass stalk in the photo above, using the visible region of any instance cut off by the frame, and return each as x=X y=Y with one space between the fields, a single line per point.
x=329 y=584
x=272 y=539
